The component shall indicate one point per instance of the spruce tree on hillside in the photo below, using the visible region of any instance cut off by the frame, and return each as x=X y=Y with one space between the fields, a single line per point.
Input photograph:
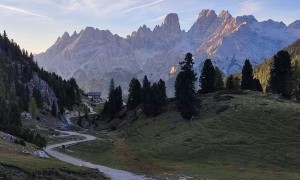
x=185 y=90
x=118 y=99
x=237 y=83
x=207 y=78
x=135 y=94
x=280 y=74
x=146 y=95
x=219 y=82
x=247 y=76
x=115 y=101
x=256 y=86
x=53 y=109
x=38 y=97
x=162 y=90
x=33 y=108
x=230 y=83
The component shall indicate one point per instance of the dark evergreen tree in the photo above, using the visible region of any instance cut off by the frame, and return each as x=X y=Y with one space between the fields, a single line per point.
x=219 y=82
x=256 y=86
x=247 y=76
x=53 y=109
x=135 y=94
x=281 y=74
x=146 y=95
x=237 y=83
x=118 y=99
x=230 y=83
x=207 y=78
x=114 y=103
x=185 y=88
x=162 y=90
x=38 y=97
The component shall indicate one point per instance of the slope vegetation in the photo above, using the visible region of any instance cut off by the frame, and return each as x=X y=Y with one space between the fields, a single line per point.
x=16 y=165
x=248 y=135
x=262 y=71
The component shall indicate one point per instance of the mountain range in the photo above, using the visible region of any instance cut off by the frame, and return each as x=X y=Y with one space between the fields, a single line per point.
x=94 y=56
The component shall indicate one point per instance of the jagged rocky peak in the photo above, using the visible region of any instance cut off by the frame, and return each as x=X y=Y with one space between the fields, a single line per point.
x=172 y=22
x=225 y=15
x=74 y=34
x=65 y=35
x=207 y=13
x=249 y=19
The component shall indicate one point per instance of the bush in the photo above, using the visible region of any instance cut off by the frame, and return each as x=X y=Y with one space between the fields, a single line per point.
x=17 y=141
x=22 y=142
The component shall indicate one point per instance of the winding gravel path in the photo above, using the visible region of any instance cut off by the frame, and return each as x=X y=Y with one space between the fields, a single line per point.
x=114 y=174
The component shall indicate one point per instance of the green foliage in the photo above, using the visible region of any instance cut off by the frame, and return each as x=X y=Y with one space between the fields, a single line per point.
x=156 y=99
x=207 y=78
x=237 y=83
x=280 y=74
x=135 y=94
x=9 y=116
x=115 y=101
x=67 y=92
x=53 y=110
x=39 y=141
x=30 y=137
x=219 y=82
x=247 y=76
x=38 y=97
x=22 y=142
x=33 y=108
x=230 y=83
x=2 y=85
x=256 y=86
x=146 y=94
x=185 y=89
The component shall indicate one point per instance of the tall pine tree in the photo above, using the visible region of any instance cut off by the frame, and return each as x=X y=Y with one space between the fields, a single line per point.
x=281 y=74
x=247 y=76
x=219 y=83
x=135 y=94
x=185 y=94
x=230 y=83
x=146 y=95
x=207 y=78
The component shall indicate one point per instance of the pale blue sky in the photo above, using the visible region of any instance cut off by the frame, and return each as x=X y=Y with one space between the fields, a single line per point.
x=36 y=24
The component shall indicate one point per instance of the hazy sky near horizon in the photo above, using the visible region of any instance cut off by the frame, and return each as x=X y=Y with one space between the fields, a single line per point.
x=36 y=24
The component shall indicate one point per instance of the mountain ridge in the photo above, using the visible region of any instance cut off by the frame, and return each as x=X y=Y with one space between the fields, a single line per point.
x=90 y=54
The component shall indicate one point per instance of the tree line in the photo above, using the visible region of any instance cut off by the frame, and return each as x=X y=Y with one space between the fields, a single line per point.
x=16 y=70
x=152 y=97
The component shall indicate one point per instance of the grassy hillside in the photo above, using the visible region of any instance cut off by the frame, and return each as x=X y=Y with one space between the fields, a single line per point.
x=248 y=135
x=261 y=71
x=15 y=165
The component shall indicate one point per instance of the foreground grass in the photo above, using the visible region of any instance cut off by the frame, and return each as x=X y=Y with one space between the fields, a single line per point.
x=236 y=136
x=15 y=165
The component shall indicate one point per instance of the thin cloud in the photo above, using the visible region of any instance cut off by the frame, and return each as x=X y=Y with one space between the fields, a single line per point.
x=22 y=11
x=142 y=6
x=250 y=6
x=160 y=18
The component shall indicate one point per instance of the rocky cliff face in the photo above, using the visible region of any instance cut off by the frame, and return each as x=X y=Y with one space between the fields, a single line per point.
x=46 y=91
x=94 y=56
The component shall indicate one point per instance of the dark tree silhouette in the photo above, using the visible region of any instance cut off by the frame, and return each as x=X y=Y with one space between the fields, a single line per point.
x=185 y=89
x=135 y=94
x=280 y=74
x=247 y=76
x=207 y=78
x=230 y=83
